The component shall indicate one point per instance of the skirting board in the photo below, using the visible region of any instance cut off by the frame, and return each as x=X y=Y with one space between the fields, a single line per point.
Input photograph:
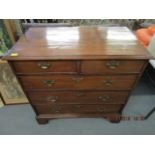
x=1 y=103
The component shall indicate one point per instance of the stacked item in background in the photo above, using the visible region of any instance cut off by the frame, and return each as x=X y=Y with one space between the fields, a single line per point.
x=145 y=35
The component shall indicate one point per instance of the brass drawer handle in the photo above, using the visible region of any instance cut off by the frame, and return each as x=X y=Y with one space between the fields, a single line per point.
x=79 y=94
x=49 y=82
x=52 y=99
x=108 y=82
x=112 y=64
x=104 y=98
x=44 y=65
x=78 y=79
x=100 y=109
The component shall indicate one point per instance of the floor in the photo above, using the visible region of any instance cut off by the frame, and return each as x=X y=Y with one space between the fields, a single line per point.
x=20 y=119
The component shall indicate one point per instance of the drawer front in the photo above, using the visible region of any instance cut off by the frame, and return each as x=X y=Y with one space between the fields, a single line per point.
x=55 y=109
x=78 y=97
x=122 y=82
x=44 y=66
x=111 y=66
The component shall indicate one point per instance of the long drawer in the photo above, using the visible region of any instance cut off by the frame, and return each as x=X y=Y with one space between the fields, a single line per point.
x=52 y=82
x=45 y=66
x=111 y=66
x=60 y=109
x=77 y=97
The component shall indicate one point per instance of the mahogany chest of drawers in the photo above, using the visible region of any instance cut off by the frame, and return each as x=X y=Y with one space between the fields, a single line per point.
x=78 y=71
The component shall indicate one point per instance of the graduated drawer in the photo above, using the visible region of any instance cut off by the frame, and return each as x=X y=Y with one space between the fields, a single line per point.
x=111 y=66
x=67 y=82
x=60 y=109
x=78 y=97
x=44 y=66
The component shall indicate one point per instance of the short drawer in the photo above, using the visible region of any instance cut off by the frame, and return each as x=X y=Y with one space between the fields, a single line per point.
x=78 y=97
x=69 y=82
x=61 y=109
x=111 y=66
x=44 y=66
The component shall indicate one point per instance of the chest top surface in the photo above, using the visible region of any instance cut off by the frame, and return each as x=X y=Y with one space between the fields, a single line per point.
x=86 y=42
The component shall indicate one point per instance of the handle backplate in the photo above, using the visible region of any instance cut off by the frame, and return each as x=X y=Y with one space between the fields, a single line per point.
x=49 y=83
x=52 y=99
x=104 y=98
x=108 y=82
x=44 y=65
x=112 y=64
x=78 y=79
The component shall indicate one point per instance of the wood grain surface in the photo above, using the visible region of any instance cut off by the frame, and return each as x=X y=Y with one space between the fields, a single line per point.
x=86 y=42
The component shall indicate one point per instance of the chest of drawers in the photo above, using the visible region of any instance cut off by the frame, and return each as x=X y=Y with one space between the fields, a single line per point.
x=78 y=71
